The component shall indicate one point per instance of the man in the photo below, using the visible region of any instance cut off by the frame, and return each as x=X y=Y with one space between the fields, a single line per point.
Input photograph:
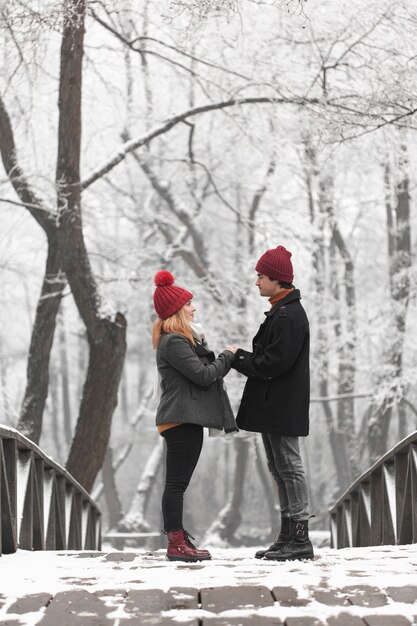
x=276 y=398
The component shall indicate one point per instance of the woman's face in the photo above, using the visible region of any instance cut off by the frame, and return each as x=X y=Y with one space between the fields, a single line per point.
x=189 y=309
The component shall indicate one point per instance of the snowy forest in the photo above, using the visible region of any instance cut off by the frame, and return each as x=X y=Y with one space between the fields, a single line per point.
x=192 y=136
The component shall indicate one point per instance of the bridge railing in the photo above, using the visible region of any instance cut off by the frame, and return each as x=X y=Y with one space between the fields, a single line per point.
x=381 y=506
x=42 y=507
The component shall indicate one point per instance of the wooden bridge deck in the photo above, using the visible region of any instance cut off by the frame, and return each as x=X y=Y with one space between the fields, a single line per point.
x=351 y=587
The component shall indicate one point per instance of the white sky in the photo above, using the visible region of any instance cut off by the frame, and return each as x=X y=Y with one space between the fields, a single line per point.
x=27 y=573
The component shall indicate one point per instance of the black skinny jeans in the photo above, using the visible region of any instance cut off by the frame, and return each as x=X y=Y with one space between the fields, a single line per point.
x=183 y=447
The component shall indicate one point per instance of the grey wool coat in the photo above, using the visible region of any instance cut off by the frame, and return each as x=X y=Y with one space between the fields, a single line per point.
x=192 y=389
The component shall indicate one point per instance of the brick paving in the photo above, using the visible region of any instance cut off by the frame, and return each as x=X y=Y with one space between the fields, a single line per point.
x=335 y=589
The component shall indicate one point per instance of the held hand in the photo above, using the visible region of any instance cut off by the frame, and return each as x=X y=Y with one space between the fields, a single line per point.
x=231 y=348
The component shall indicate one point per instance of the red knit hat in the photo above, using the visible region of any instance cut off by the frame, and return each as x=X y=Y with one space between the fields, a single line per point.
x=168 y=298
x=276 y=264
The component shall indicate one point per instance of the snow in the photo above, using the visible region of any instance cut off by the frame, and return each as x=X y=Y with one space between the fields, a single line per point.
x=381 y=567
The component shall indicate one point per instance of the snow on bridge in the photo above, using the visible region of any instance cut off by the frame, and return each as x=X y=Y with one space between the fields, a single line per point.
x=372 y=586
x=44 y=510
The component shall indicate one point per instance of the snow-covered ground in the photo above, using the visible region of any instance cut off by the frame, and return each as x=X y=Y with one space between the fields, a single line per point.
x=383 y=567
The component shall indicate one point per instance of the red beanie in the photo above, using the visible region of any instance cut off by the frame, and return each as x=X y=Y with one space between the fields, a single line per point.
x=168 y=298
x=276 y=264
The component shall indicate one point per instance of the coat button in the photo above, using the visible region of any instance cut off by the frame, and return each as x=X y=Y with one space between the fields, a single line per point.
x=241 y=357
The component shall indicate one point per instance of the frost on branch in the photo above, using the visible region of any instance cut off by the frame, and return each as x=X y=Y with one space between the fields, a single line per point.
x=33 y=16
x=203 y=9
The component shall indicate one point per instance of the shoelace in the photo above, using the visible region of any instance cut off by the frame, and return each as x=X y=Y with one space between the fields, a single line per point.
x=187 y=537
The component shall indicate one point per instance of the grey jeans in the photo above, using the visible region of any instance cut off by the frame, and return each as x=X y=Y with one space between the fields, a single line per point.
x=286 y=467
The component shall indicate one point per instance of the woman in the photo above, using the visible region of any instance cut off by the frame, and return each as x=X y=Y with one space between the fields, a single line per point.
x=192 y=396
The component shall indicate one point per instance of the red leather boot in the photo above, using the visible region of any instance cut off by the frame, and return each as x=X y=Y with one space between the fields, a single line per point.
x=180 y=548
x=206 y=553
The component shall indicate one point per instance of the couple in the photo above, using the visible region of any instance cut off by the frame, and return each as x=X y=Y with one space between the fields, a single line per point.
x=275 y=400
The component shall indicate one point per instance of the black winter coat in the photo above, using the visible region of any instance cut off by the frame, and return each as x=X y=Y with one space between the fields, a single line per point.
x=276 y=397
x=192 y=388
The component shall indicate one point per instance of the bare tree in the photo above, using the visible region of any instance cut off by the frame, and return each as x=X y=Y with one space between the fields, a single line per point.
x=320 y=207
x=67 y=256
x=135 y=518
x=30 y=422
x=397 y=205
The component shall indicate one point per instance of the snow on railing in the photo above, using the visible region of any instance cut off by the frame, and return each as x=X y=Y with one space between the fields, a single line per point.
x=381 y=506
x=42 y=507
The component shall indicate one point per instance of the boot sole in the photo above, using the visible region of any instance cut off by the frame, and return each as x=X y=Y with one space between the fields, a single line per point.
x=261 y=554
x=290 y=558
x=185 y=559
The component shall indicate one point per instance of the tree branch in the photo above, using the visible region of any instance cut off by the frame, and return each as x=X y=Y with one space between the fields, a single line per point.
x=27 y=196
x=145 y=39
x=25 y=205
x=341 y=396
x=134 y=144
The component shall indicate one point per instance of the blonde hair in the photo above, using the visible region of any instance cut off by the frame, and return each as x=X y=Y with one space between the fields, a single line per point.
x=176 y=323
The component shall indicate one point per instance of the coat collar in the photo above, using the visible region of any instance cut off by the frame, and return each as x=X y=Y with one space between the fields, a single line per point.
x=291 y=297
x=201 y=349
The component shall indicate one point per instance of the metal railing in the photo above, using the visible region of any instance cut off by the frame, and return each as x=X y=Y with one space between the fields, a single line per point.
x=42 y=507
x=381 y=506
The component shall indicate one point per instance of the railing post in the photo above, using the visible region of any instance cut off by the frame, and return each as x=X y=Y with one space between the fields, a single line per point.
x=413 y=485
x=62 y=511
x=381 y=506
x=404 y=525
x=8 y=495
x=354 y=518
x=389 y=517
x=364 y=517
x=25 y=499
x=41 y=505
x=38 y=510
x=376 y=507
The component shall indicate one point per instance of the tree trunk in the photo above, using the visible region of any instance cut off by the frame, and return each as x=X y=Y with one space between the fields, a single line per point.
x=229 y=518
x=135 y=518
x=401 y=292
x=198 y=258
x=31 y=414
x=271 y=493
x=63 y=358
x=347 y=351
x=124 y=454
x=88 y=448
x=54 y=404
x=82 y=352
x=399 y=252
x=106 y=337
x=4 y=393
x=256 y=201
x=114 y=506
x=319 y=204
x=30 y=420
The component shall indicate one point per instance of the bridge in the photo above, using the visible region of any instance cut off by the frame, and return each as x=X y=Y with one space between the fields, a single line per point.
x=54 y=577
x=42 y=506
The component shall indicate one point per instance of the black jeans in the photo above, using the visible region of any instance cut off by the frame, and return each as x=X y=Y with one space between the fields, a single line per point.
x=286 y=466
x=183 y=446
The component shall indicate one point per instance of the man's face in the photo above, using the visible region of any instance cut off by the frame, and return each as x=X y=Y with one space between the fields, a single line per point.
x=266 y=286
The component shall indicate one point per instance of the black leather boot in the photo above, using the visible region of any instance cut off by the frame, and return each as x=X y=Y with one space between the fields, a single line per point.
x=299 y=546
x=283 y=537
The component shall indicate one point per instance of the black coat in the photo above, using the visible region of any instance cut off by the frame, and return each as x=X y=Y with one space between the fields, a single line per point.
x=276 y=397
x=192 y=388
